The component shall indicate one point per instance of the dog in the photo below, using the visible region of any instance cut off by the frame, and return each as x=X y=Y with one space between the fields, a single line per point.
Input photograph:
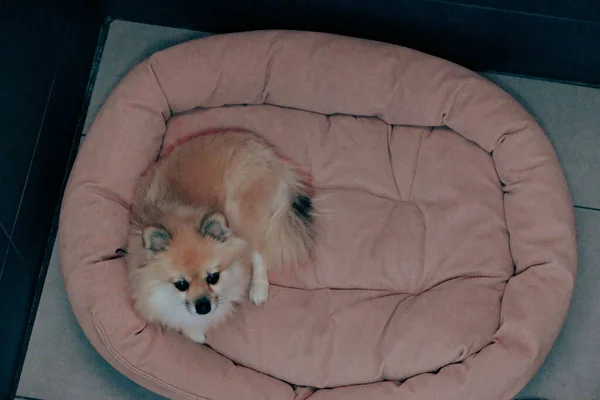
x=208 y=221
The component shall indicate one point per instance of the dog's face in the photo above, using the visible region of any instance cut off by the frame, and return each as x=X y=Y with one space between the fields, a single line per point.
x=193 y=269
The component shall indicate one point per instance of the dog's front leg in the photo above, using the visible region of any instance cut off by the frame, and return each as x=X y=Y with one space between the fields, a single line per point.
x=197 y=334
x=259 y=284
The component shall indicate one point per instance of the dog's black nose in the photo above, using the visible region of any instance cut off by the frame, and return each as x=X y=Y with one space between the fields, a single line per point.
x=202 y=306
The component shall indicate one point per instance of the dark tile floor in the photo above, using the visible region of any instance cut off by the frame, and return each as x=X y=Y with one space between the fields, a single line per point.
x=40 y=104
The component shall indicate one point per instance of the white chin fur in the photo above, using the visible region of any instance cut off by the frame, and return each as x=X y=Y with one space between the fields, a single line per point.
x=166 y=305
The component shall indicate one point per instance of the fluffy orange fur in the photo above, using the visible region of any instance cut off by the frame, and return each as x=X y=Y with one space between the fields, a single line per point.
x=216 y=207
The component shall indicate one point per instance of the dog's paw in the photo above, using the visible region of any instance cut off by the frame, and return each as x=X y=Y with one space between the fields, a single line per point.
x=198 y=337
x=259 y=292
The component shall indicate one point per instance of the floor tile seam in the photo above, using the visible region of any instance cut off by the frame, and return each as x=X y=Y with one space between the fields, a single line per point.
x=31 y=161
x=10 y=244
x=587 y=208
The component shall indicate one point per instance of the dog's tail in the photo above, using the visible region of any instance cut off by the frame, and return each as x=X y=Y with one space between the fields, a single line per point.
x=291 y=232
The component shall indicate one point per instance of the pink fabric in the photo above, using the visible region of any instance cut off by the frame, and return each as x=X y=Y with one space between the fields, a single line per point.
x=446 y=256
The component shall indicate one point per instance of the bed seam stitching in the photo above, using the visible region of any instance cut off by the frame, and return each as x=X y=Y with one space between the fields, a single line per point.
x=416 y=166
x=164 y=95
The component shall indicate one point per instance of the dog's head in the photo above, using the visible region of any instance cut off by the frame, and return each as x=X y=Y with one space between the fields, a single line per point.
x=191 y=261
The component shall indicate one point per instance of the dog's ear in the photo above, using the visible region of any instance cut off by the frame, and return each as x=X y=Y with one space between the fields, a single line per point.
x=214 y=225
x=156 y=239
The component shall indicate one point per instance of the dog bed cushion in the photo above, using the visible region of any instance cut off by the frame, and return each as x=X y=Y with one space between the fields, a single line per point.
x=446 y=252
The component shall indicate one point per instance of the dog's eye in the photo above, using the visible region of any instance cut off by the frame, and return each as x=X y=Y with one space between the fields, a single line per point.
x=213 y=278
x=182 y=286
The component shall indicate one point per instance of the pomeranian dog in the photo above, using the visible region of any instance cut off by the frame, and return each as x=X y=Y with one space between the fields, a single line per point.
x=208 y=221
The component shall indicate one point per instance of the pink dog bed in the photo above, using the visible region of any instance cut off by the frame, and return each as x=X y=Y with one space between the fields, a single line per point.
x=446 y=257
